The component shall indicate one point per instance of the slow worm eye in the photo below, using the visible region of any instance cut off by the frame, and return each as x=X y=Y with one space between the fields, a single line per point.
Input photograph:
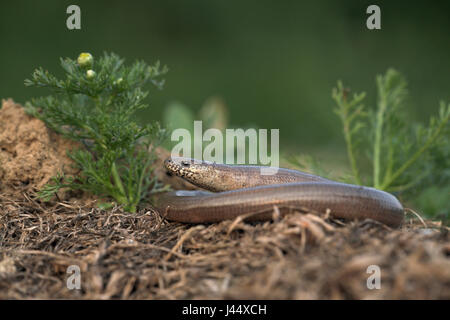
x=185 y=163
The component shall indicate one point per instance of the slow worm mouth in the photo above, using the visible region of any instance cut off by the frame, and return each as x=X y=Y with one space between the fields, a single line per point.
x=176 y=167
x=170 y=164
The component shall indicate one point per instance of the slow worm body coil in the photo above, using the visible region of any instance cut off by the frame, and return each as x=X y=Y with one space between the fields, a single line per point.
x=242 y=189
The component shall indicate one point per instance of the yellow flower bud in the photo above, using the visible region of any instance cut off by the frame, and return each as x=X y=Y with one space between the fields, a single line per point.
x=85 y=59
x=90 y=74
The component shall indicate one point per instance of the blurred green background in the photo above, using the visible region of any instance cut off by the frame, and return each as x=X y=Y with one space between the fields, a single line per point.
x=273 y=63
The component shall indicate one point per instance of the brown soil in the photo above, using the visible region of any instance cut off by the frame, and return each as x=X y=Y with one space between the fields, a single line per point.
x=142 y=256
x=30 y=153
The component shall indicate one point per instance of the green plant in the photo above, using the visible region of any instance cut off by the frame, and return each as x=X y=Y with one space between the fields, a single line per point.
x=213 y=114
x=94 y=104
x=402 y=155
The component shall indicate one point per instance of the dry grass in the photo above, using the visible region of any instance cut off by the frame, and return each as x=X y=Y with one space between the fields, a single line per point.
x=141 y=256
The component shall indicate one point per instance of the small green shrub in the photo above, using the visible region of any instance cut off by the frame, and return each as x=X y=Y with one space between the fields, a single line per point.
x=94 y=104
x=406 y=158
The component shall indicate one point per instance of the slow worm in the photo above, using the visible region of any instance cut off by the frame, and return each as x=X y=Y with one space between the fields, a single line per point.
x=242 y=189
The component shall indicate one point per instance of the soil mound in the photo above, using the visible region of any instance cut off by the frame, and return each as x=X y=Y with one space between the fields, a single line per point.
x=30 y=153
